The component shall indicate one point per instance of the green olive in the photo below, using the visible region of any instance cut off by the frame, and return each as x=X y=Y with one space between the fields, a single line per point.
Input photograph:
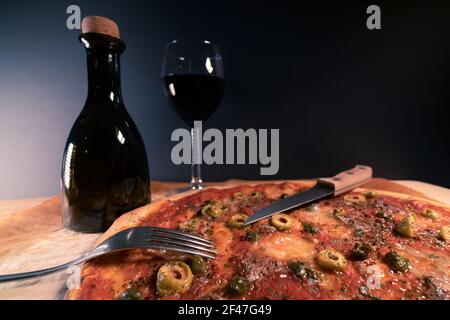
x=256 y=195
x=355 y=198
x=331 y=259
x=282 y=221
x=198 y=265
x=360 y=251
x=213 y=209
x=444 y=233
x=251 y=236
x=131 y=294
x=407 y=226
x=240 y=196
x=396 y=262
x=309 y=228
x=237 y=221
x=238 y=286
x=301 y=271
x=429 y=213
x=173 y=278
x=337 y=212
x=190 y=226
x=370 y=194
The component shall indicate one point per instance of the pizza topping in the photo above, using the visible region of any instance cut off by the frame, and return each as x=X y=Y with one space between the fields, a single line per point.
x=213 y=209
x=355 y=198
x=309 y=228
x=444 y=233
x=301 y=271
x=282 y=221
x=396 y=262
x=360 y=252
x=314 y=207
x=331 y=259
x=131 y=294
x=407 y=226
x=190 y=226
x=173 y=278
x=370 y=194
x=239 y=196
x=429 y=213
x=251 y=236
x=198 y=265
x=238 y=286
x=237 y=221
x=383 y=215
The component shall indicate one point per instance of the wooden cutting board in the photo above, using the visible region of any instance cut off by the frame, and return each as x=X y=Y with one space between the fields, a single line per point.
x=34 y=238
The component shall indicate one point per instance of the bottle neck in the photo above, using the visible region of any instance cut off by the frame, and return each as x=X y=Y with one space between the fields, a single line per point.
x=104 y=76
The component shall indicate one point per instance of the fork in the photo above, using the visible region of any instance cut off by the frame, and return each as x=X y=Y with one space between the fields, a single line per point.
x=138 y=237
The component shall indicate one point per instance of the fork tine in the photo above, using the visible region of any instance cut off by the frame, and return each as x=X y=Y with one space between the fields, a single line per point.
x=176 y=232
x=173 y=247
x=179 y=243
x=180 y=238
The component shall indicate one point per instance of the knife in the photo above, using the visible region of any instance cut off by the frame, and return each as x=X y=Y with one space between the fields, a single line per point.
x=324 y=188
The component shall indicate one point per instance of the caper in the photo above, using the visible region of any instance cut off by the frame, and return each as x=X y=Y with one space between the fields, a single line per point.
x=331 y=259
x=213 y=209
x=370 y=194
x=444 y=233
x=355 y=198
x=429 y=213
x=282 y=221
x=396 y=262
x=313 y=207
x=309 y=228
x=173 y=278
x=131 y=294
x=383 y=215
x=238 y=286
x=237 y=221
x=360 y=251
x=407 y=226
x=301 y=271
x=251 y=236
x=198 y=265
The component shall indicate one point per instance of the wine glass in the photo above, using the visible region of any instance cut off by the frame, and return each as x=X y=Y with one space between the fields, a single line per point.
x=193 y=78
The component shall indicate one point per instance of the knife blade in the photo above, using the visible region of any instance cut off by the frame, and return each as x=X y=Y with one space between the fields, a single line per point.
x=324 y=188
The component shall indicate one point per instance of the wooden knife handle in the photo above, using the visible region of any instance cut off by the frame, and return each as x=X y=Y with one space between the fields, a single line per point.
x=347 y=180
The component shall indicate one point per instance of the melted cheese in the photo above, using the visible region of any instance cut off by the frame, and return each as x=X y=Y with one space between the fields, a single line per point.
x=283 y=247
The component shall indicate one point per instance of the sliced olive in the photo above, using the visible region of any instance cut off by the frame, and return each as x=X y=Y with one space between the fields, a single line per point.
x=256 y=195
x=282 y=221
x=238 y=286
x=429 y=213
x=173 y=278
x=237 y=221
x=360 y=252
x=240 y=196
x=396 y=262
x=301 y=271
x=190 y=226
x=131 y=294
x=407 y=226
x=355 y=198
x=251 y=236
x=444 y=233
x=331 y=259
x=198 y=265
x=213 y=209
x=370 y=194
x=383 y=215
x=337 y=212
x=309 y=228
x=314 y=207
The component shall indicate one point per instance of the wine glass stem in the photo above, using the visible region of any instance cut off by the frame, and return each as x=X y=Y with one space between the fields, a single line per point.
x=196 y=150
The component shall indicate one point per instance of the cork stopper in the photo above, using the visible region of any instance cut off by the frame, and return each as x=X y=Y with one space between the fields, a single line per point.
x=97 y=24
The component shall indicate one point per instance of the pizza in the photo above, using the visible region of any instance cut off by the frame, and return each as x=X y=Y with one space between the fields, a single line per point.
x=365 y=244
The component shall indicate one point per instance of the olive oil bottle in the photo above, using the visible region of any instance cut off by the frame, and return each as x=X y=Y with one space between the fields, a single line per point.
x=104 y=170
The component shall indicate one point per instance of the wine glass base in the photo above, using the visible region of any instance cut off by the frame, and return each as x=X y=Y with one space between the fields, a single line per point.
x=185 y=189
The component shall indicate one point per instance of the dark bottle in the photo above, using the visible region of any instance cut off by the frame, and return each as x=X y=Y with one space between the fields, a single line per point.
x=104 y=169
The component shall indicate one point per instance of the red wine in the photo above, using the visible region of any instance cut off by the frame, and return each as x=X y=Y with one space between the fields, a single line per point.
x=105 y=169
x=194 y=96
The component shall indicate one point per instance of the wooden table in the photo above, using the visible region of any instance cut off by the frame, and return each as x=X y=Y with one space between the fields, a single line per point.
x=32 y=237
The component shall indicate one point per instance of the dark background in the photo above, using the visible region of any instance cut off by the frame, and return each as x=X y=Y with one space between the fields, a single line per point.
x=339 y=93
